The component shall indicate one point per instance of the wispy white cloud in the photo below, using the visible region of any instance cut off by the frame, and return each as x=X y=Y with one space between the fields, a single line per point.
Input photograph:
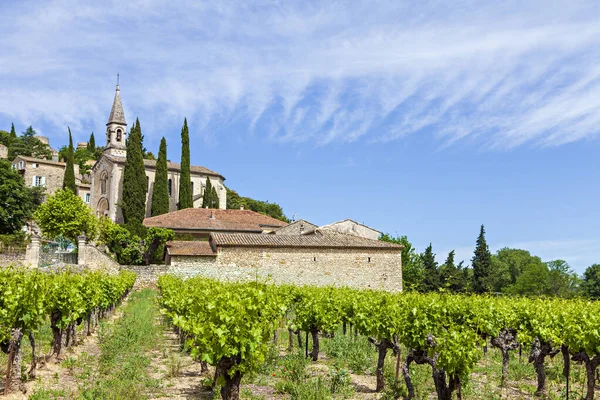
x=502 y=75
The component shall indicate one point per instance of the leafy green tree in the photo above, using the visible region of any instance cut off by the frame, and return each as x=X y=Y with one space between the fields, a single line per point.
x=412 y=267
x=134 y=183
x=534 y=281
x=431 y=280
x=482 y=265
x=185 y=181
x=160 y=191
x=28 y=145
x=69 y=178
x=562 y=280
x=273 y=210
x=452 y=276
x=18 y=201
x=591 y=281
x=91 y=146
x=65 y=214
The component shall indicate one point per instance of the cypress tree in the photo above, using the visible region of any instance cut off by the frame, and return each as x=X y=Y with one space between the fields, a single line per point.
x=13 y=133
x=206 y=197
x=482 y=265
x=214 y=197
x=185 y=181
x=133 y=203
x=431 y=280
x=69 y=178
x=160 y=191
x=91 y=146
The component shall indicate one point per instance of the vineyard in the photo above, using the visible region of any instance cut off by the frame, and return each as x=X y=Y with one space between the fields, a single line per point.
x=31 y=299
x=232 y=325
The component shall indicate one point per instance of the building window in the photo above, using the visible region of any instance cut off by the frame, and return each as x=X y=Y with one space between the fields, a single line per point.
x=103 y=180
x=369 y=259
x=38 y=181
x=86 y=198
x=314 y=258
x=118 y=135
x=192 y=185
x=35 y=165
x=170 y=187
x=147 y=183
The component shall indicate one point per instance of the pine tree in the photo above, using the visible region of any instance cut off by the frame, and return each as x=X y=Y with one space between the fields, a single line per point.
x=133 y=204
x=69 y=178
x=214 y=197
x=449 y=273
x=13 y=133
x=206 y=197
x=160 y=191
x=91 y=146
x=431 y=279
x=185 y=181
x=482 y=265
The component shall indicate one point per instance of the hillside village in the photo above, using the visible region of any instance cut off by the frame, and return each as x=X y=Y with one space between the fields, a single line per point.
x=217 y=242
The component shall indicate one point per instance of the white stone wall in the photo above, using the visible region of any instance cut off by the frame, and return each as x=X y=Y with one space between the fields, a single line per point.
x=356 y=229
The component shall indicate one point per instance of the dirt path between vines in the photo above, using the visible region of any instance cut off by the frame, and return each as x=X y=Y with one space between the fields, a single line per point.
x=55 y=377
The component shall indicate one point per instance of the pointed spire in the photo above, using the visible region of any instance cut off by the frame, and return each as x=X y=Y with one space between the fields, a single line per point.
x=116 y=113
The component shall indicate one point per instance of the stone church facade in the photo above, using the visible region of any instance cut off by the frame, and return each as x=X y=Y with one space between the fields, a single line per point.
x=107 y=173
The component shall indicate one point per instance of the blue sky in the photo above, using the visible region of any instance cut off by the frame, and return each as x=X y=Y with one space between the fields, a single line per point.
x=424 y=119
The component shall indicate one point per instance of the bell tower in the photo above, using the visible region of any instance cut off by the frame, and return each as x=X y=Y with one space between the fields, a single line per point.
x=116 y=128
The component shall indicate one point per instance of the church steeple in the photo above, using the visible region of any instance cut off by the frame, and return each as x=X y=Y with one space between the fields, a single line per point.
x=116 y=128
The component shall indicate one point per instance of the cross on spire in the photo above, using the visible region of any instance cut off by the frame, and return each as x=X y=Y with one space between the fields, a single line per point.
x=117 y=79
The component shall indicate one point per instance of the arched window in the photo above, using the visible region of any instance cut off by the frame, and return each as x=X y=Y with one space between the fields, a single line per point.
x=170 y=187
x=103 y=181
x=118 y=135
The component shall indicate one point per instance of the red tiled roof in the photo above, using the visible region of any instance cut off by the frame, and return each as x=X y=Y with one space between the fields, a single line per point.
x=183 y=248
x=322 y=238
x=209 y=220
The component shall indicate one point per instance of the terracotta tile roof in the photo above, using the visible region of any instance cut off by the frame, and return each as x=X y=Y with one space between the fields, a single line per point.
x=210 y=220
x=322 y=238
x=184 y=248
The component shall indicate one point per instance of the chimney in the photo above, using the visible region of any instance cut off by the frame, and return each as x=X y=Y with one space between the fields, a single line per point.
x=241 y=207
x=212 y=215
x=55 y=156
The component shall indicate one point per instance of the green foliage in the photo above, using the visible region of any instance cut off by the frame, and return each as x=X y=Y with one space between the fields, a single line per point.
x=235 y=201
x=65 y=214
x=27 y=144
x=210 y=199
x=185 y=182
x=160 y=190
x=482 y=265
x=432 y=278
x=69 y=178
x=128 y=248
x=135 y=187
x=591 y=281
x=18 y=201
x=91 y=146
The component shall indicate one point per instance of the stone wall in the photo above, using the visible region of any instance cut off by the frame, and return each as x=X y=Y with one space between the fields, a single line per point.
x=147 y=275
x=350 y=227
x=12 y=259
x=374 y=269
x=95 y=259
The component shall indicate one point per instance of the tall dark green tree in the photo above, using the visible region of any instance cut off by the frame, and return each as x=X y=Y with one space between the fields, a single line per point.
x=160 y=191
x=135 y=187
x=185 y=181
x=210 y=199
x=69 y=178
x=431 y=272
x=18 y=201
x=591 y=281
x=91 y=146
x=482 y=265
x=13 y=133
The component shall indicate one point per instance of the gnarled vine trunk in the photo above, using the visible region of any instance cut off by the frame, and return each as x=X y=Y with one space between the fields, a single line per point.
x=290 y=339
x=33 y=367
x=591 y=364
x=315 y=338
x=56 y=333
x=505 y=341
x=382 y=347
x=566 y=367
x=537 y=356
x=231 y=389
x=15 y=357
